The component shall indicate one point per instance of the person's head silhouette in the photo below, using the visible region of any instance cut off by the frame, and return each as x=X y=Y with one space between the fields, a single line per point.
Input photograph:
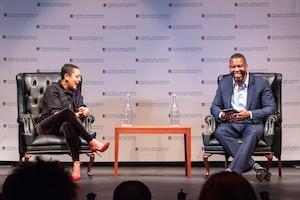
x=132 y=190
x=227 y=185
x=46 y=180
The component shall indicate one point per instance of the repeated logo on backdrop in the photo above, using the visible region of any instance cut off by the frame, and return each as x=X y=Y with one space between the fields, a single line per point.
x=150 y=49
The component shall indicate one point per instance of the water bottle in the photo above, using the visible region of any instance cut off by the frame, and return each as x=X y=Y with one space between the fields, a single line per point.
x=128 y=111
x=174 y=112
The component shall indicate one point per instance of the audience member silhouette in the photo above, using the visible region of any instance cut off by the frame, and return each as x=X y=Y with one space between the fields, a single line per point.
x=47 y=180
x=132 y=190
x=181 y=195
x=227 y=186
x=91 y=196
x=264 y=195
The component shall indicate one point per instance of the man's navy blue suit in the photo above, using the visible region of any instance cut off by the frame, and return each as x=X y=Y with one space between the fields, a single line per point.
x=261 y=102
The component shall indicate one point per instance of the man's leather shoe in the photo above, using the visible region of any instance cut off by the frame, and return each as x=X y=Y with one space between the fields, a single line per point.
x=263 y=174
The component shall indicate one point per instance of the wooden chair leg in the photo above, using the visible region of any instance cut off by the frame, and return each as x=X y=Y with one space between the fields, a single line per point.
x=91 y=162
x=279 y=166
x=269 y=162
x=205 y=160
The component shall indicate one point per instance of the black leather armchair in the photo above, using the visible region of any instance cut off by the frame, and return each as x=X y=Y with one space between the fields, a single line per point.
x=269 y=146
x=30 y=90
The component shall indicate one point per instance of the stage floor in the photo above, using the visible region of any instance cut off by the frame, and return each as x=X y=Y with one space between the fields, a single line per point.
x=166 y=182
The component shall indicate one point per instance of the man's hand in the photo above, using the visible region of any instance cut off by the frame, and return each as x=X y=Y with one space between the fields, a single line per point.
x=233 y=116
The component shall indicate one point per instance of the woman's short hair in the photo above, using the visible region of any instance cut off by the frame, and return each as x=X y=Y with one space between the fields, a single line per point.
x=67 y=69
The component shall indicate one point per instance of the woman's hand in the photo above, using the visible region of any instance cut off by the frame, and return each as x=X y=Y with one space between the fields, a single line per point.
x=82 y=112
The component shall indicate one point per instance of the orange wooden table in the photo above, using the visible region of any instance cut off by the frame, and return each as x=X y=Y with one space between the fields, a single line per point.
x=186 y=131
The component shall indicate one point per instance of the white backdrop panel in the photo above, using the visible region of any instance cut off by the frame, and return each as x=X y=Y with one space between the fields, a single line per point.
x=149 y=49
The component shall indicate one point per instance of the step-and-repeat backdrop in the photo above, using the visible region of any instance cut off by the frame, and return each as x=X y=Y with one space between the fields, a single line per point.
x=150 y=49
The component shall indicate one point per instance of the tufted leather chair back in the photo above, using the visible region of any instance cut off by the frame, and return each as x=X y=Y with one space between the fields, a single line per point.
x=33 y=86
x=275 y=82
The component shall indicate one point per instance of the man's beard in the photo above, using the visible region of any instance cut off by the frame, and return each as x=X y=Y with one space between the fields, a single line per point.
x=239 y=78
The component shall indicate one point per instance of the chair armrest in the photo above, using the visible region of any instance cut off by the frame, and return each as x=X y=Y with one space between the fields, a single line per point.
x=207 y=136
x=269 y=130
x=27 y=122
x=26 y=130
x=87 y=122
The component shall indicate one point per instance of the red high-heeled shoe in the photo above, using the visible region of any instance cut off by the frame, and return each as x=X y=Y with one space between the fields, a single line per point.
x=75 y=178
x=102 y=149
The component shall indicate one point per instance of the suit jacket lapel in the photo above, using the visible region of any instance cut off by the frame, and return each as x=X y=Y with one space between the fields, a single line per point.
x=250 y=90
x=228 y=90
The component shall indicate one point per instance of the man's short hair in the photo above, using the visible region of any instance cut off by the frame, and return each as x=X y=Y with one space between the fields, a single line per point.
x=238 y=55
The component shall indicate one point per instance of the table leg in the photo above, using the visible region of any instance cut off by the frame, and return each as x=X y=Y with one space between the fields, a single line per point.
x=117 y=134
x=187 y=144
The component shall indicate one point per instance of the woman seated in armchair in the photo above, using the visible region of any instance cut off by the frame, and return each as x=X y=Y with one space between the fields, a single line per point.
x=62 y=112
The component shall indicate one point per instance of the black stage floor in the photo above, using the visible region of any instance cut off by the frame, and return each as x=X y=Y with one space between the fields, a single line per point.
x=166 y=182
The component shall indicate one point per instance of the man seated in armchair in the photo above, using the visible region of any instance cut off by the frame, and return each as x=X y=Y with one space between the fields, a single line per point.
x=241 y=104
